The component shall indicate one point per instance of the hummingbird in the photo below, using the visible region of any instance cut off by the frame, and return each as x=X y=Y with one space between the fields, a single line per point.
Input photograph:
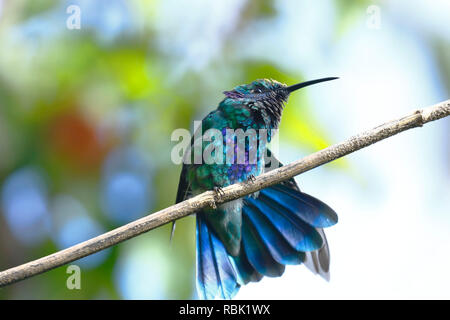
x=246 y=239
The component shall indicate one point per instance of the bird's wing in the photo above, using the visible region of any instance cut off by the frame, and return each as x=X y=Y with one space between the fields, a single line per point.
x=184 y=188
x=184 y=191
x=317 y=261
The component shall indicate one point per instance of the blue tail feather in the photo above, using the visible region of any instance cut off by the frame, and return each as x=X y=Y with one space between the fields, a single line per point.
x=307 y=208
x=277 y=245
x=207 y=285
x=278 y=228
x=257 y=253
x=216 y=276
x=300 y=235
x=225 y=271
x=245 y=271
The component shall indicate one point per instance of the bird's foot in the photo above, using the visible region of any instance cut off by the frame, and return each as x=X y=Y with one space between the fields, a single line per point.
x=251 y=178
x=218 y=192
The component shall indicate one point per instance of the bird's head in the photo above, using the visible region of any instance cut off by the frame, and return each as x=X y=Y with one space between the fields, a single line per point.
x=258 y=90
x=267 y=95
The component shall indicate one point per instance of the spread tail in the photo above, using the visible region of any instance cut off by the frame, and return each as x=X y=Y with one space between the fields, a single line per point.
x=282 y=226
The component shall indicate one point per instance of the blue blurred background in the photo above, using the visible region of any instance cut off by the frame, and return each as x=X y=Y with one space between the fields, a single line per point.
x=86 y=117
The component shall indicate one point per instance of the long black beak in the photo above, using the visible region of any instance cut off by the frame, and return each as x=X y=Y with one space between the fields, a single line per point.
x=308 y=83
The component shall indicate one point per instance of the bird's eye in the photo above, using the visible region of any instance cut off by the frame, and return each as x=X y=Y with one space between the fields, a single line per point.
x=258 y=90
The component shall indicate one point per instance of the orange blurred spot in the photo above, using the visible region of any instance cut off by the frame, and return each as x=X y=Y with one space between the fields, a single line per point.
x=74 y=139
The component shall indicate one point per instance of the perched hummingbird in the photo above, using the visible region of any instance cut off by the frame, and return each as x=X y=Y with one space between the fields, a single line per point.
x=243 y=240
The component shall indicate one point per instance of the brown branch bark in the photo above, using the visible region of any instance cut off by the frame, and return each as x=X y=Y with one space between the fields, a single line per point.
x=209 y=198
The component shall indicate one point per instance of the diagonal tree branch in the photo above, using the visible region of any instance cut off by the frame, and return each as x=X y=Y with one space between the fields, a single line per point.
x=209 y=198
